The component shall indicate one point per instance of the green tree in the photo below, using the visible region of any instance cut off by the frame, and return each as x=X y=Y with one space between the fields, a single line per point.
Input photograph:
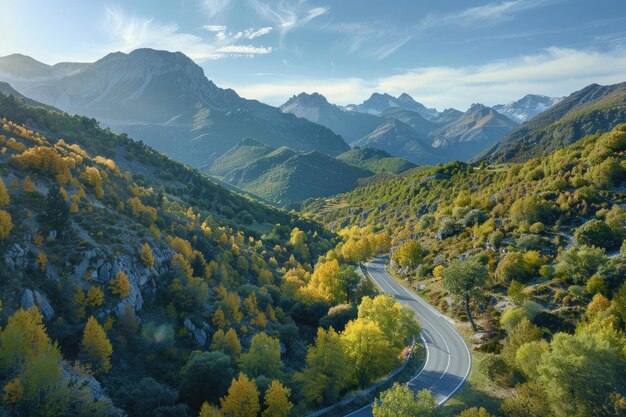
x=528 y=400
x=524 y=332
x=596 y=233
x=474 y=412
x=327 y=370
x=408 y=254
x=463 y=280
x=205 y=377
x=580 y=372
x=349 y=279
x=399 y=401
x=263 y=358
x=528 y=357
x=578 y=264
x=57 y=213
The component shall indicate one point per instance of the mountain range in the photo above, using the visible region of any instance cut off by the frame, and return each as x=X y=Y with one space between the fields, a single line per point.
x=595 y=108
x=527 y=107
x=164 y=99
x=406 y=128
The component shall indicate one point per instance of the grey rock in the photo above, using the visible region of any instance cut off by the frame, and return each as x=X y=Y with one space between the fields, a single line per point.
x=36 y=299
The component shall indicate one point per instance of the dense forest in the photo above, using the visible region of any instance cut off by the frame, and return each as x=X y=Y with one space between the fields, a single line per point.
x=531 y=256
x=133 y=285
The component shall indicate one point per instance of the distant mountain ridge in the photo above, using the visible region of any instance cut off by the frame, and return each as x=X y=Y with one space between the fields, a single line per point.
x=477 y=129
x=399 y=139
x=164 y=99
x=527 y=107
x=378 y=103
x=283 y=175
x=316 y=108
x=595 y=108
x=419 y=130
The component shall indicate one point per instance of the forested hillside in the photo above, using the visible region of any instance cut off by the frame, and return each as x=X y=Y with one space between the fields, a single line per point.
x=532 y=254
x=132 y=285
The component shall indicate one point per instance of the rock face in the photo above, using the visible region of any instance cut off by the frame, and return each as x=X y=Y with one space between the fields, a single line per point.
x=99 y=267
x=32 y=298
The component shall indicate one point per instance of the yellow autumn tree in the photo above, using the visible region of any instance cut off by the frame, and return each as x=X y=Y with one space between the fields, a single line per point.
x=146 y=255
x=6 y=224
x=242 y=399
x=277 y=401
x=95 y=296
x=28 y=185
x=13 y=391
x=208 y=410
x=226 y=342
x=4 y=194
x=96 y=349
x=120 y=285
x=42 y=261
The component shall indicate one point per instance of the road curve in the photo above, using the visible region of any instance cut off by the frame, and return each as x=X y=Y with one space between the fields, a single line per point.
x=448 y=360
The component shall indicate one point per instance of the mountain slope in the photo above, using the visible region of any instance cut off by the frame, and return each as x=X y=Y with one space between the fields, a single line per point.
x=478 y=128
x=592 y=109
x=98 y=231
x=420 y=125
x=526 y=108
x=283 y=175
x=375 y=160
x=164 y=99
x=315 y=108
x=400 y=140
x=7 y=90
x=245 y=152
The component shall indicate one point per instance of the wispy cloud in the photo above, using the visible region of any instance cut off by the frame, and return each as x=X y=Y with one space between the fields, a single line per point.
x=128 y=32
x=215 y=7
x=215 y=28
x=253 y=33
x=244 y=50
x=287 y=15
x=488 y=14
x=553 y=72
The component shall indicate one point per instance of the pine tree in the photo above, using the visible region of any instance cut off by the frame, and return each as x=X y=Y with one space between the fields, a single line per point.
x=208 y=410
x=277 y=401
x=57 y=214
x=28 y=185
x=6 y=224
x=146 y=255
x=96 y=348
x=120 y=285
x=4 y=194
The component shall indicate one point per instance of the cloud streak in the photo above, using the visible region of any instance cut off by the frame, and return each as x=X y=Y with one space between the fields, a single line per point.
x=129 y=32
x=554 y=72
x=287 y=15
x=488 y=14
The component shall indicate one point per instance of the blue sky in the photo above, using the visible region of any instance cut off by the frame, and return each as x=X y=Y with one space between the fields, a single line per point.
x=445 y=53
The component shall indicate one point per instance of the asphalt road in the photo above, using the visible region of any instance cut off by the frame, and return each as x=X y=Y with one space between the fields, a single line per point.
x=448 y=360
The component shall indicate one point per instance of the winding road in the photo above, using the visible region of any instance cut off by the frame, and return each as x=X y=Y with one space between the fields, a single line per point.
x=448 y=360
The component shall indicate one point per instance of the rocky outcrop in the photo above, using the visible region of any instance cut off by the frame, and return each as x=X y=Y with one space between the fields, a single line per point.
x=37 y=299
